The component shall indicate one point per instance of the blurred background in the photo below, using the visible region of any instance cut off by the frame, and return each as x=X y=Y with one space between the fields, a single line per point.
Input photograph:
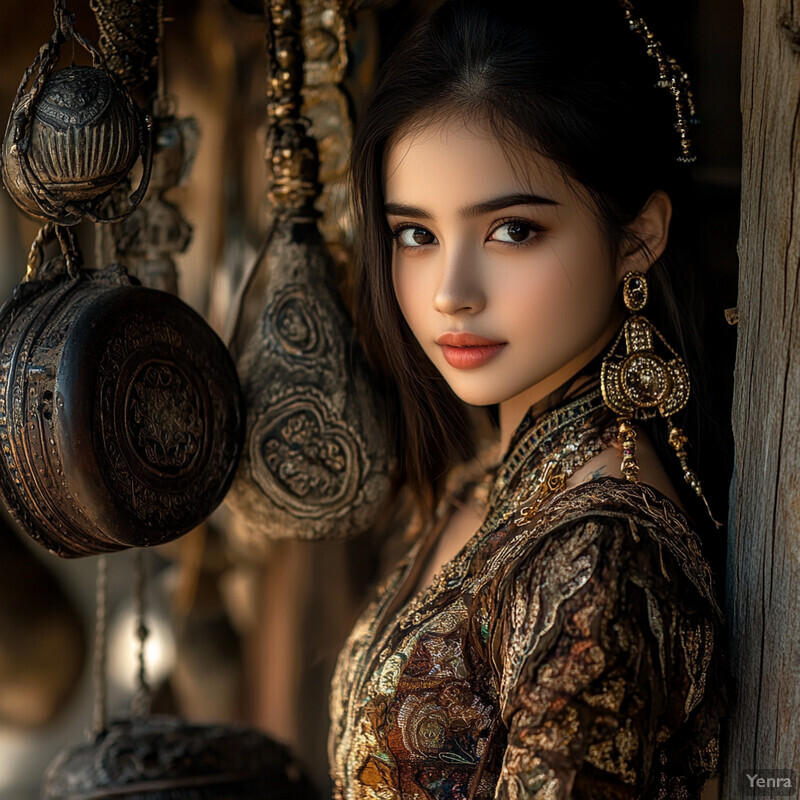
x=238 y=635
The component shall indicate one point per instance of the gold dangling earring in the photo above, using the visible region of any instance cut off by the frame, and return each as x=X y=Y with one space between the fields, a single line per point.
x=640 y=383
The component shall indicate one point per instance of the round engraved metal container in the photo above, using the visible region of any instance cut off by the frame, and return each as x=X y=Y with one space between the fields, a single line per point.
x=121 y=417
x=84 y=138
x=163 y=758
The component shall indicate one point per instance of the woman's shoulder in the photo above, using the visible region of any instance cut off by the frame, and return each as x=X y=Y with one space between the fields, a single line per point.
x=609 y=609
x=611 y=520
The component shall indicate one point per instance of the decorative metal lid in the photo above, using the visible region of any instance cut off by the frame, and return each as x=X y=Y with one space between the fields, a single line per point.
x=121 y=418
x=164 y=758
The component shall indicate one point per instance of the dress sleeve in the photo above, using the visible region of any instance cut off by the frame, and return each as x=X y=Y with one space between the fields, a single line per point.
x=606 y=654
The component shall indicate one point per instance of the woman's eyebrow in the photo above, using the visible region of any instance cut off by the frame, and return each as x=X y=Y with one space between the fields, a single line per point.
x=506 y=201
x=476 y=210
x=403 y=210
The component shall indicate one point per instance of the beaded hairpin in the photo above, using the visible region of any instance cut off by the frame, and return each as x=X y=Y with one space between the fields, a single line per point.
x=672 y=77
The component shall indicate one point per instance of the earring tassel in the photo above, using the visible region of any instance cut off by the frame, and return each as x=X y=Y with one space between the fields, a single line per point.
x=678 y=441
x=627 y=438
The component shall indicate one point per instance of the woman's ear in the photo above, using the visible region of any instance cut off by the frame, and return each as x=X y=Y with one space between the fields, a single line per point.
x=650 y=232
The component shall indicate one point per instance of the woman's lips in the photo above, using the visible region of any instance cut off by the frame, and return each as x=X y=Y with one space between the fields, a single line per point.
x=467 y=351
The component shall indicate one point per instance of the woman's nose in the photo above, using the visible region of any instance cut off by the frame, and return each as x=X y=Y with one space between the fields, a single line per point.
x=460 y=287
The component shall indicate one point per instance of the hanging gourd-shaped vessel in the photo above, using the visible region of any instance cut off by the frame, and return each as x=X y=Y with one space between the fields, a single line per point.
x=164 y=758
x=121 y=417
x=73 y=135
x=317 y=459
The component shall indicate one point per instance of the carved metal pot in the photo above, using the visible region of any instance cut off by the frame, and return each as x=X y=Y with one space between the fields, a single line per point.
x=121 y=417
x=70 y=143
x=163 y=758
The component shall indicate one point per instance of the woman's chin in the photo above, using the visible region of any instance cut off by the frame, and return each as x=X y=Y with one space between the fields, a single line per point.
x=476 y=395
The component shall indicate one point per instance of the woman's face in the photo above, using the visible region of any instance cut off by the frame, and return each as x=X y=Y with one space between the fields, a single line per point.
x=502 y=273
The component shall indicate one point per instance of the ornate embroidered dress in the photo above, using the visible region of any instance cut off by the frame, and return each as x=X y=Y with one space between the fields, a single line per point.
x=574 y=648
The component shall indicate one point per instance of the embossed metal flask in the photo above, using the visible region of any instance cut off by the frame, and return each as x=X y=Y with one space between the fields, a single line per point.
x=164 y=758
x=121 y=416
x=318 y=458
x=315 y=463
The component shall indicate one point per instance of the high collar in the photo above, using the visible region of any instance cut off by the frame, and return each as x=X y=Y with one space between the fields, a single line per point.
x=543 y=434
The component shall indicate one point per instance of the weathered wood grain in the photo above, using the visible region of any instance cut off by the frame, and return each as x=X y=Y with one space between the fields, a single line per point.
x=763 y=575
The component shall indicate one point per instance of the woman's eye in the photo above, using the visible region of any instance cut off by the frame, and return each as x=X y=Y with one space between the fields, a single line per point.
x=514 y=232
x=414 y=237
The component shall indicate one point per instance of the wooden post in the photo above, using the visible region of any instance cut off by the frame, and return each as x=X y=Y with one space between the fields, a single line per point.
x=763 y=574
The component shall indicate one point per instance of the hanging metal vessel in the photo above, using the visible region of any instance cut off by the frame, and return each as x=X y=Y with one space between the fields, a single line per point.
x=121 y=420
x=84 y=138
x=317 y=458
x=73 y=135
x=163 y=758
x=315 y=463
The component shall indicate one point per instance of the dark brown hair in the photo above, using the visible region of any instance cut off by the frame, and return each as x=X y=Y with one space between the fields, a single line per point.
x=569 y=81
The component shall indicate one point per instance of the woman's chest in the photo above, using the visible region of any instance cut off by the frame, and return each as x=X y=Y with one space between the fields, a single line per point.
x=458 y=530
x=430 y=623
x=420 y=707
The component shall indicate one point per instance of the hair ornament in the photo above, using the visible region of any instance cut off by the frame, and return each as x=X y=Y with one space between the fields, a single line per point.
x=671 y=76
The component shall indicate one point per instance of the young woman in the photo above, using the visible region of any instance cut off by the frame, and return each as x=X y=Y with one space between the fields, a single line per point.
x=553 y=631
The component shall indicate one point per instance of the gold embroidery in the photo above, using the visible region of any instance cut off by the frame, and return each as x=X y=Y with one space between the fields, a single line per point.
x=537 y=647
x=614 y=753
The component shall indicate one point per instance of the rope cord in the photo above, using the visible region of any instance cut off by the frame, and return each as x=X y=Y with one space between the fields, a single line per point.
x=141 y=701
x=100 y=716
